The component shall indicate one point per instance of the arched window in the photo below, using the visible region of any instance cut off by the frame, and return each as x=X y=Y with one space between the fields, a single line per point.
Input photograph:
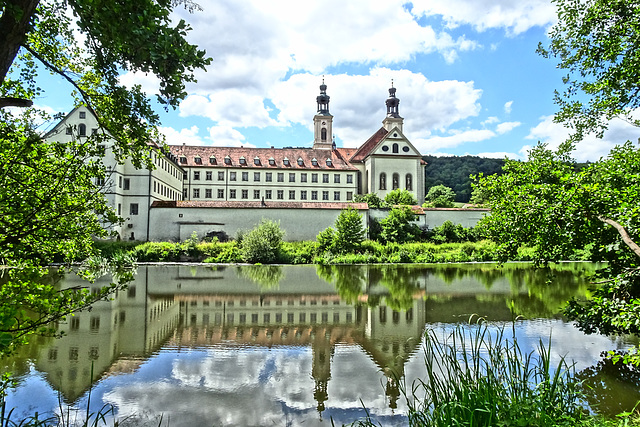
x=408 y=182
x=323 y=134
x=394 y=148
x=82 y=129
x=396 y=181
x=383 y=181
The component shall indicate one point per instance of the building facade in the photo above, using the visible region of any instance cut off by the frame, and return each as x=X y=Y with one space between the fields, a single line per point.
x=214 y=179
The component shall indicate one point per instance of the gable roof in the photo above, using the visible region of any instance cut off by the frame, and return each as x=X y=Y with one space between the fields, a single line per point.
x=371 y=143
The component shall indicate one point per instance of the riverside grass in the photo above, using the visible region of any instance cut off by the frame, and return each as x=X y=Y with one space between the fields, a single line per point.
x=308 y=252
x=476 y=376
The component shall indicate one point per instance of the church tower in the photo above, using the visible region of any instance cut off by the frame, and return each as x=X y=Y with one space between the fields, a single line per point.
x=323 y=122
x=393 y=118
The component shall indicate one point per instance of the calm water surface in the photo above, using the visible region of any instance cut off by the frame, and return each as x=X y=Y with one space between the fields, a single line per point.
x=292 y=345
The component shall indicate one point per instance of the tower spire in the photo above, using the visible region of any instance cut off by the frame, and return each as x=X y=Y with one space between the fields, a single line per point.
x=393 y=118
x=323 y=121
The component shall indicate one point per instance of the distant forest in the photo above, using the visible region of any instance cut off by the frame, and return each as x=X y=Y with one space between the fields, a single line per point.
x=454 y=172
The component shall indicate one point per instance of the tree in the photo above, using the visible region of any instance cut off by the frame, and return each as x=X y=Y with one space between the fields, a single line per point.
x=549 y=204
x=596 y=42
x=398 y=227
x=400 y=197
x=371 y=199
x=348 y=234
x=50 y=203
x=262 y=244
x=440 y=196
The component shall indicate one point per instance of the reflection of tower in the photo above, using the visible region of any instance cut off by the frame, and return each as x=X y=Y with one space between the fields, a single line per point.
x=321 y=369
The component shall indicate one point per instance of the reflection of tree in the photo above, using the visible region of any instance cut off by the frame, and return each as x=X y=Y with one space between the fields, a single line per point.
x=349 y=280
x=402 y=283
x=266 y=276
x=611 y=388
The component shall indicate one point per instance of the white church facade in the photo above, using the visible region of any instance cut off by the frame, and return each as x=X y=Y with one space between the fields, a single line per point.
x=206 y=189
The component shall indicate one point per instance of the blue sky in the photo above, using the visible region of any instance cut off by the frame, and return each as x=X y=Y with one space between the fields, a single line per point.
x=466 y=72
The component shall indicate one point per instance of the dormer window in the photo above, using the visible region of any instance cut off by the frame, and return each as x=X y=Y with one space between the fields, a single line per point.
x=256 y=161
x=212 y=160
x=300 y=162
x=329 y=162
x=314 y=161
x=272 y=161
x=227 y=160
x=183 y=159
x=197 y=160
x=243 y=161
x=285 y=161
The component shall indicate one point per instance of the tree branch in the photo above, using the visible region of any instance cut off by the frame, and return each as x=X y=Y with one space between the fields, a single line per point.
x=15 y=102
x=623 y=233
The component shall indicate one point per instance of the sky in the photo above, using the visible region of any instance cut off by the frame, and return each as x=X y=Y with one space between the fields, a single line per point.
x=466 y=72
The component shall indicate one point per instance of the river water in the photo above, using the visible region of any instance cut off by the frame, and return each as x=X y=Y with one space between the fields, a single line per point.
x=292 y=345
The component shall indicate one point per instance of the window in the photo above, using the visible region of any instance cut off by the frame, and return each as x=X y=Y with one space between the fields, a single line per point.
x=184 y=194
x=245 y=176
x=267 y=194
x=303 y=177
x=220 y=193
x=394 y=148
x=325 y=178
x=396 y=181
x=280 y=177
x=314 y=162
x=303 y=195
x=329 y=162
x=196 y=193
x=119 y=209
x=227 y=160
x=69 y=130
x=232 y=194
x=256 y=194
x=323 y=134
x=209 y=175
x=314 y=177
x=184 y=175
x=82 y=129
x=325 y=195
x=300 y=161
x=268 y=176
x=207 y=193
x=336 y=178
x=292 y=177
x=280 y=194
x=183 y=159
x=408 y=182
x=349 y=195
x=336 y=195
x=256 y=176
x=286 y=162
x=383 y=181
x=272 y=161
x=256 y=161
x=133 y=209
x=196 y=176
x=220 y=176
x=349 y=179
x=243 y=161
x=314 y=195
x=245 y=194
x=232 y=176
x=212 y=160
x=94 y=323
x=197 y=160
x=83 y=115
x=292 y=194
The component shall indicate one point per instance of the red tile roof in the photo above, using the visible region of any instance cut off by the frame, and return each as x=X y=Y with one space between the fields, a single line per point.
x=366 y=148
x=256 y=204
x=306 y=155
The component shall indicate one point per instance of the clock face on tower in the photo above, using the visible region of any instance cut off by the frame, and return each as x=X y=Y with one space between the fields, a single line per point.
x=324 y=123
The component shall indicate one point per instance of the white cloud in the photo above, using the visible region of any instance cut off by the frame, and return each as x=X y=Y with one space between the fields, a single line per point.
x=505 y=127
x=230 y=107
x=226 y=136
x=149 y=83
x=183 y=136
x=453 y=140
x=514 y=17
x=590 y=148
x=508 y=107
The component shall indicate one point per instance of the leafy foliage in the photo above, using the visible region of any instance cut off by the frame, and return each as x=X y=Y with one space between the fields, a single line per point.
x=397 y=226
x=400 y=196
x=348 y=234
x=440 y=196
x=596 y=42
x=454 y=171
x=262 y=244
x=371 y=199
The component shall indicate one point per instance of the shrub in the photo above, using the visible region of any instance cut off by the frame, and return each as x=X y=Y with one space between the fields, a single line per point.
x=262 y=244
x=440 y=196
x=397 y=226
x=400 y=197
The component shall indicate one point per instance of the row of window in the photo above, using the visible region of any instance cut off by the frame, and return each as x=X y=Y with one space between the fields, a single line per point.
x=196 y=193
x=268 y=176
x=395 y=181
x=256 y=161
x=166 y=165
x=165 y=191
x=266 y=318
x=133 y=209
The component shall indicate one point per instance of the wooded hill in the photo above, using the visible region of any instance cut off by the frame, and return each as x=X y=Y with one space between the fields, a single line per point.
x=454 y=172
